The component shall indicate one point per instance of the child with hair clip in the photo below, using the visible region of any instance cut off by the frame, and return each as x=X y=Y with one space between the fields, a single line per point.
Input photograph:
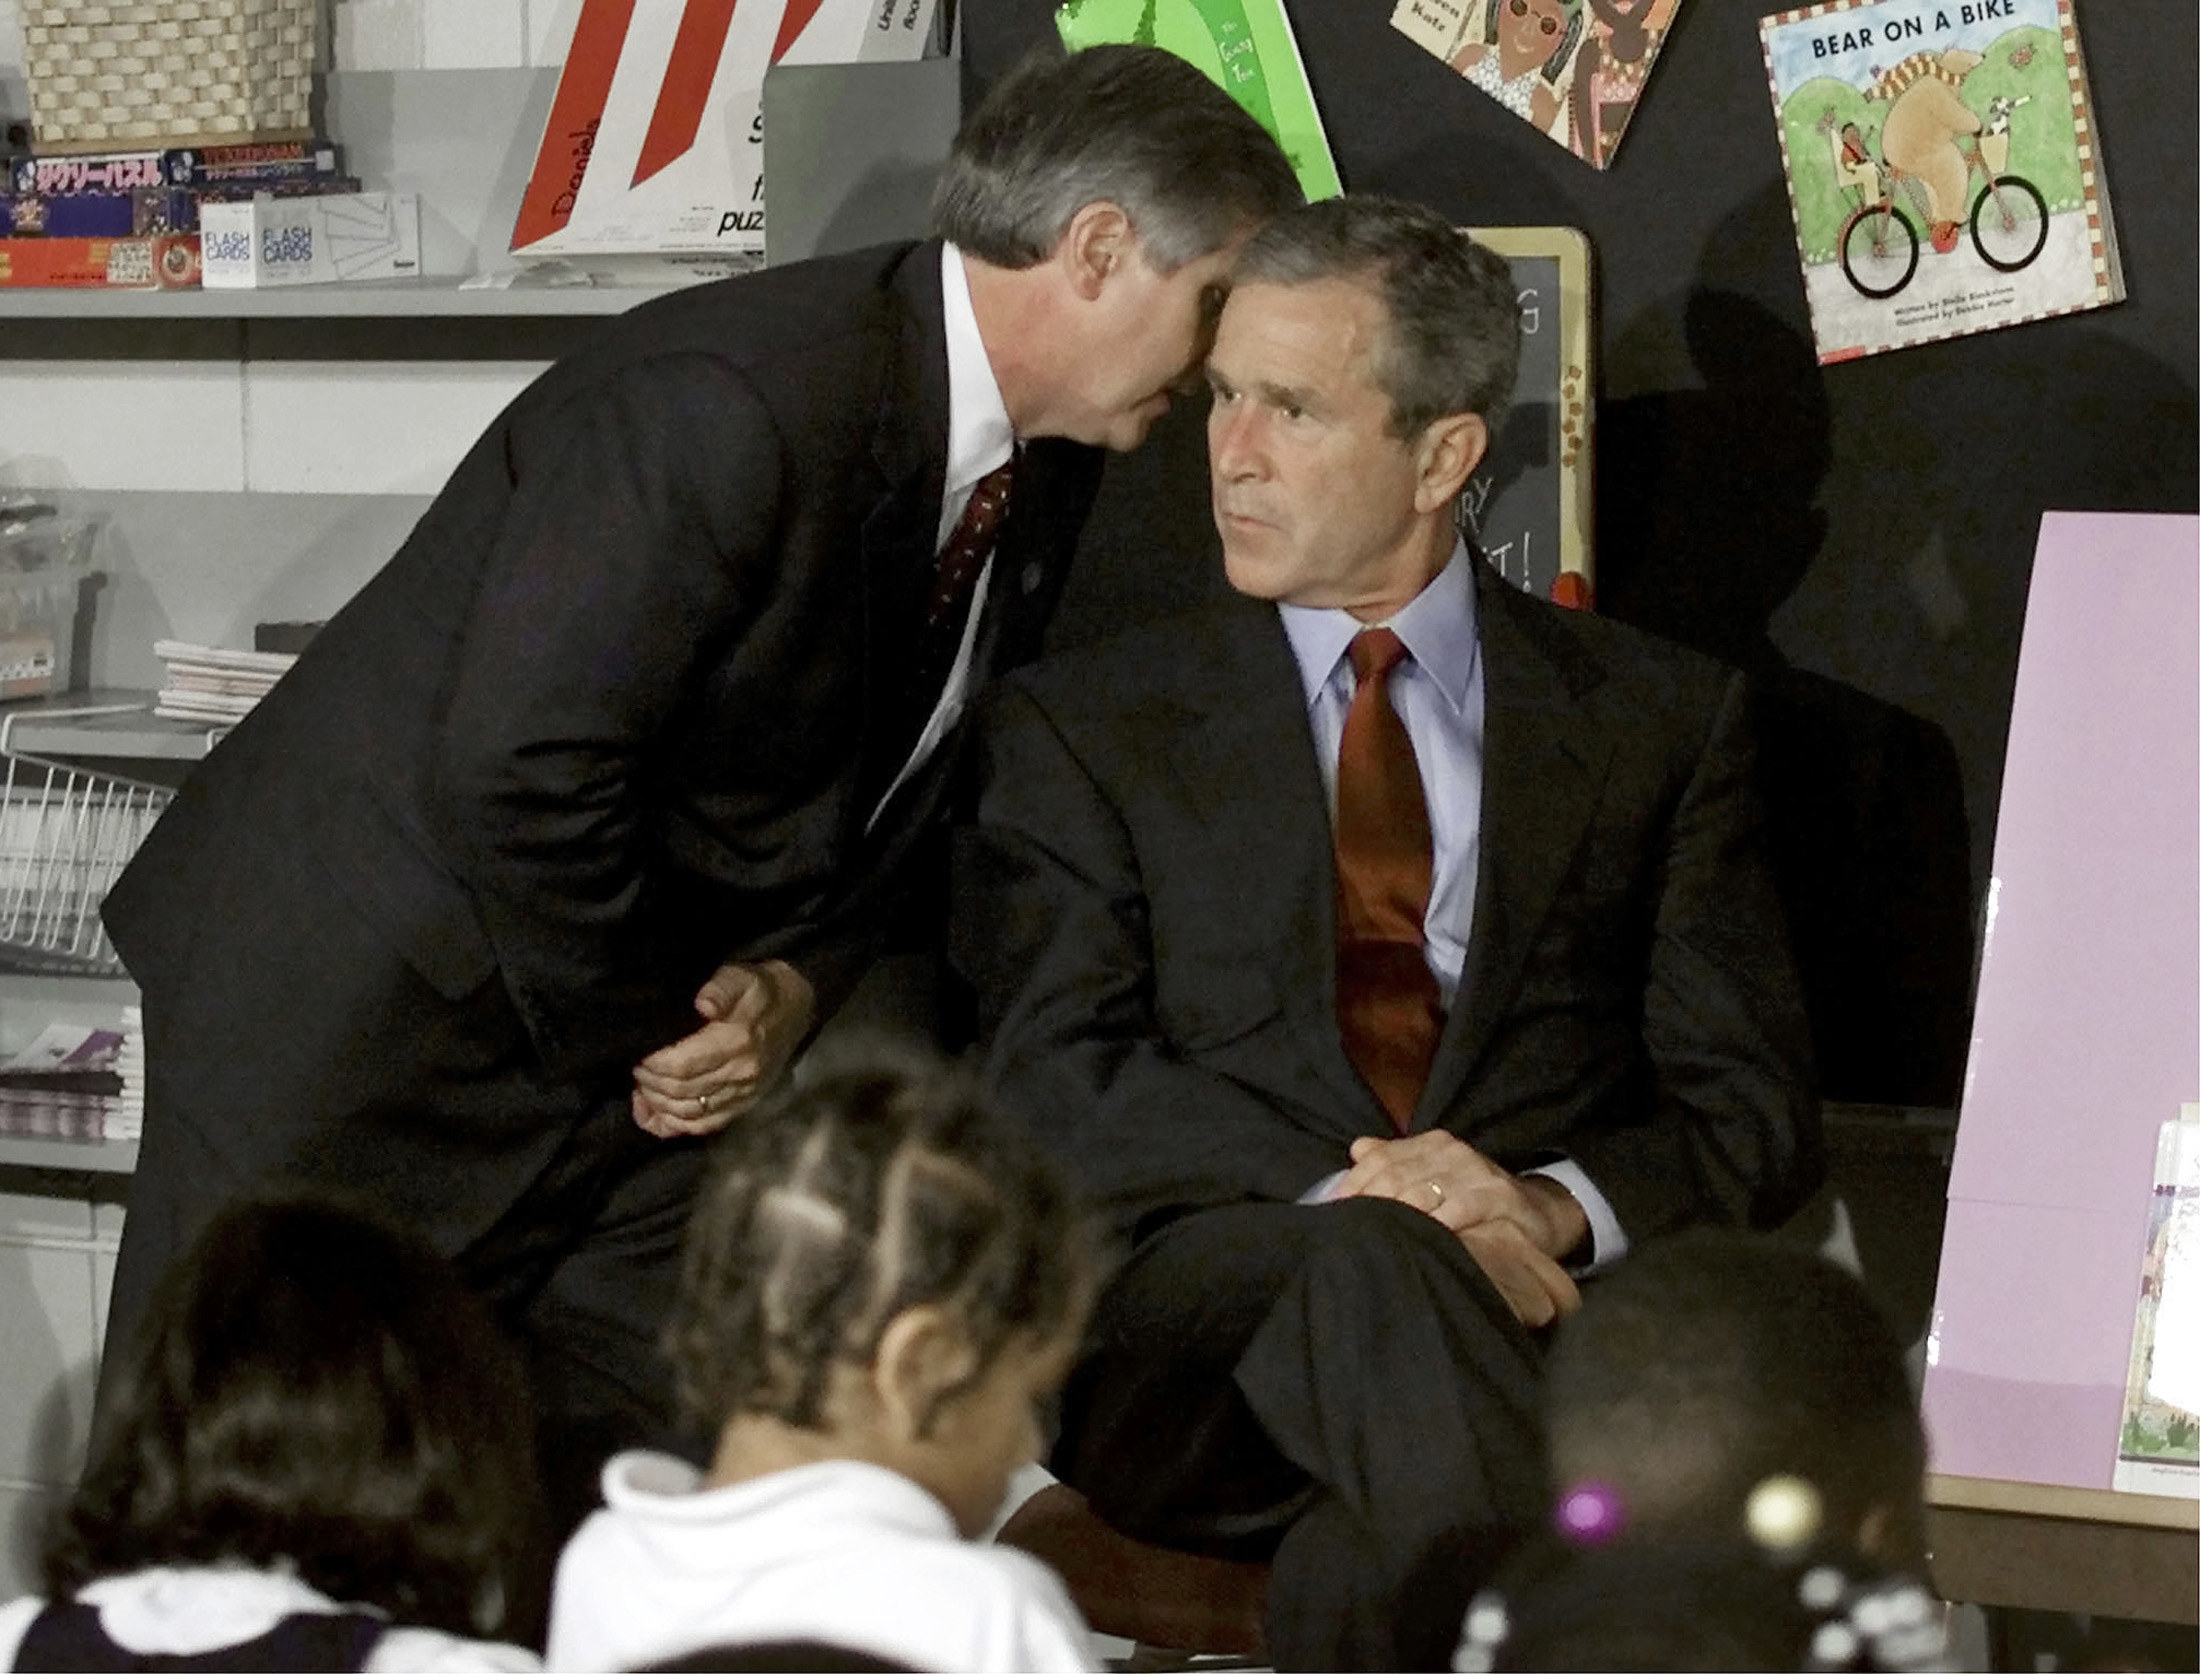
x=884 y=1283
x=320 y=1457
x=1737 y=1470
x=1702 y=1603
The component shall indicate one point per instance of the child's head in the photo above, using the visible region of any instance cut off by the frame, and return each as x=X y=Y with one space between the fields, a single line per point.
x=1709 y=1362
x=882 y=1260
x=313 y=1389
x=1718 y=1604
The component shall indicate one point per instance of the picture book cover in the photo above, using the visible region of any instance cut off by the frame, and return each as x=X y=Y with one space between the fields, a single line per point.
x=1572 y=69
x=1245 y=46
x=2159 y=1449
x=1942 y=166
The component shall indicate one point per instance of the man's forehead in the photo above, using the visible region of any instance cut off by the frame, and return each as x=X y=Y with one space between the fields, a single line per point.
x=1328 y=320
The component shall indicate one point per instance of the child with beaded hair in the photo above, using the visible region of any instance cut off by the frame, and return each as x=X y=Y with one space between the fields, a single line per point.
x=1712 y=1362
x=1737 y=1469
x=884 y=1283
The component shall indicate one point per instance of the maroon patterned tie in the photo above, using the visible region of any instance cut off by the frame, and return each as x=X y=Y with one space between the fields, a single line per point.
x=1389 y=1009
x=955 y=584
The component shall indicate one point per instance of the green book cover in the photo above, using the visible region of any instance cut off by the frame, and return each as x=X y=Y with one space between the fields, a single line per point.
x=1246 y=46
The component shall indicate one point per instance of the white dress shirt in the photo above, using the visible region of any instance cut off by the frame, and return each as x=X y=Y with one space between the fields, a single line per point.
x=980 y=439
x=847 y=1553
x=1437 y=691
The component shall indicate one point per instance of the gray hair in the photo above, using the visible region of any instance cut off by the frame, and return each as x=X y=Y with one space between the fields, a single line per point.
x=1128 y=125
x=1453 y=338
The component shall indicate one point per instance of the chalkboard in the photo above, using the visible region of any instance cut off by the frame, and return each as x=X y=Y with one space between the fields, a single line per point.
x=1528 y=505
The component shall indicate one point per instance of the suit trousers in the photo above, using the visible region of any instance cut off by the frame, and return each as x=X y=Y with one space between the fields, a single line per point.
x=1334 y=1387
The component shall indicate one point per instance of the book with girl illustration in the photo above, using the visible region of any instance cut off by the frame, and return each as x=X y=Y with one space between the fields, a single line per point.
x=1572 y=69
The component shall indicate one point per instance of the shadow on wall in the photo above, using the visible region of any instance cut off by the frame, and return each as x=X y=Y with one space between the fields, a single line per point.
x=1707 y=522
x=1149 y=549
x=1944 y=458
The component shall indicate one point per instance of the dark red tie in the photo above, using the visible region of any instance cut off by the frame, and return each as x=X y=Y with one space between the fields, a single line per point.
x=955 y=584
x=1389 y=1008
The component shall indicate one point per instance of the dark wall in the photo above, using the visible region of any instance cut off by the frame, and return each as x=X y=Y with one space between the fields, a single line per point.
x=1860 y=537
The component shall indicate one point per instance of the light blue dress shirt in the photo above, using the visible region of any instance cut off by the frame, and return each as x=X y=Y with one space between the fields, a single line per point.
x=1438 y=694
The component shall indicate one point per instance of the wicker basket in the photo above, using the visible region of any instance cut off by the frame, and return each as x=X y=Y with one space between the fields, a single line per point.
x=168 y=72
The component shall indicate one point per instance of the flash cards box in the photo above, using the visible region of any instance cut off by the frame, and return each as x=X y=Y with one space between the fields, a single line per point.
x=654 y=146
x=267 y=241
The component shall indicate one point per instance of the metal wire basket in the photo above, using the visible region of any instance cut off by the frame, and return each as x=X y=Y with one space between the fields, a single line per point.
x=66 y=832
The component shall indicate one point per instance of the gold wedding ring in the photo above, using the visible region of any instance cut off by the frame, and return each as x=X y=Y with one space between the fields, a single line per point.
x=1436 y=1191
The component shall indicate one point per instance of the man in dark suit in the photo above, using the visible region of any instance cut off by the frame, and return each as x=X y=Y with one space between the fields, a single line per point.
x=1384 y=949
x=559 y=838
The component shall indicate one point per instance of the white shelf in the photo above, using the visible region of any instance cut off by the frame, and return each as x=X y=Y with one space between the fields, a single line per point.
x=103 y=723
x=84 y=1156
x=384 y=299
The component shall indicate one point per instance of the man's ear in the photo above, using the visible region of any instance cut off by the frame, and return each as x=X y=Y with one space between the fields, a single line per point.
x=923 y=1353
x=1098 y=240
x=1445 y=455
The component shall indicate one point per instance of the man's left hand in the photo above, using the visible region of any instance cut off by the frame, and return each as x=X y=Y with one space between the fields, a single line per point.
x=754 y=1018
x=1444 y=1177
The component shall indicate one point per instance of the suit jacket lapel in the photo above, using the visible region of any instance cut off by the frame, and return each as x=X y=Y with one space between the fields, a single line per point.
x=909 y=447
x=1543 y=765
x=1245 y=757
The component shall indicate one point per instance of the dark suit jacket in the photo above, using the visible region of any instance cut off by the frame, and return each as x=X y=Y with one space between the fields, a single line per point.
x=1145 y=908
x=616 y=712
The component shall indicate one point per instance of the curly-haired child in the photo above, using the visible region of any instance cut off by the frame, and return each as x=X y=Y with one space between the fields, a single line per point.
x=884 y=1283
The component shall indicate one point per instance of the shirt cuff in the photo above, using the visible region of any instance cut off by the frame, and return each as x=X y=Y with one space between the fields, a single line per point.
x=1322 y=1190
x=1607 y=1243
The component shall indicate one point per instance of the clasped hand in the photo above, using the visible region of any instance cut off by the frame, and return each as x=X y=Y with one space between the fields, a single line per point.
x=754 y=1017
x=1517 y=1227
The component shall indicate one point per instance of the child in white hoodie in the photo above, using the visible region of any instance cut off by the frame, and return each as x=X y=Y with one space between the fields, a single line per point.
x=884 y=1283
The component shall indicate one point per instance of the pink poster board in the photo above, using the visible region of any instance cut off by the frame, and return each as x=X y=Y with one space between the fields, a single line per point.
x=2086 y=1036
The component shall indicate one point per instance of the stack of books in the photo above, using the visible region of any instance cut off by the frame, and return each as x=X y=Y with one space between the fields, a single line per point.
x=206 y=683
x=67 y=1084
x=126 y=1117
x=130 y=219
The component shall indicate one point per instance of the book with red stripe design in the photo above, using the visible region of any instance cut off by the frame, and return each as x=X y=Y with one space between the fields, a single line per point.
x=653 y=145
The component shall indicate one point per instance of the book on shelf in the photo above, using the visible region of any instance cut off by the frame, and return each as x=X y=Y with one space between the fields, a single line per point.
x=164 y=262
x=1573 y=70
x=2158 y=1448
x=653 y=152
x=143 y=211
x=76 y=1082
x=1246 y=47
x=213 y=683
x=127 y=1118
x=1943 y=168
x=261 y=162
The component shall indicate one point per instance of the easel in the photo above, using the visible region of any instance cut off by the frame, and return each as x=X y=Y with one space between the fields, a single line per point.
x=2086 y=1038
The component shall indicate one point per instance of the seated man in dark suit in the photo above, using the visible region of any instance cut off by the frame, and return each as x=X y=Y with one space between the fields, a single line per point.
x=1383 y=949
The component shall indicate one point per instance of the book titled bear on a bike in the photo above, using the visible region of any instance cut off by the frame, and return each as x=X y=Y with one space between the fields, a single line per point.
x=1943 y=168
